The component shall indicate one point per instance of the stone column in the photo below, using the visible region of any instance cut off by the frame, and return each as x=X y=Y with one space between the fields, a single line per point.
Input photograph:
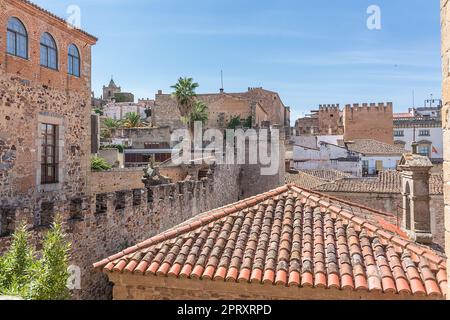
x=445 y=26
x=416 y=197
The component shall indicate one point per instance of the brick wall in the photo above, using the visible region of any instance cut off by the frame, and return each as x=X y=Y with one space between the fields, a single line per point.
x=369 y=122
x=36 y=23
x=445 y=26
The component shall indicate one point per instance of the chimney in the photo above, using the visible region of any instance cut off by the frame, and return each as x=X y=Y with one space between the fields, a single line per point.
x=415 y=175
x=160 y=92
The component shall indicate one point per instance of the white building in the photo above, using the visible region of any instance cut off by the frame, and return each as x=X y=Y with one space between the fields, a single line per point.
x=119 y=111
x=313 y=141
x=363 y=157
x=376 y=156
x=327 y=156
x=426 y=131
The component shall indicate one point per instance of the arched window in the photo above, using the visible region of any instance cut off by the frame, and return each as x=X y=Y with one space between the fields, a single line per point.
x=73 y=63
x=49 y=52
x=17 y=39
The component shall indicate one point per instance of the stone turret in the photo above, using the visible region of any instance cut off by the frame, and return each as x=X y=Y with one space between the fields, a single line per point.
x=415 y=173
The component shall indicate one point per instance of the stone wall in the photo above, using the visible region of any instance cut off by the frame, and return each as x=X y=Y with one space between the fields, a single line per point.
x=445 y=28
x=108 y=222
x=112 y=156
x=133 y=287
x=25 y=106
x=116 y=180
x=369 y=121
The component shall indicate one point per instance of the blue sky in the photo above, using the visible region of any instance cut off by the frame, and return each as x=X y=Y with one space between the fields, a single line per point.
x=311 y=52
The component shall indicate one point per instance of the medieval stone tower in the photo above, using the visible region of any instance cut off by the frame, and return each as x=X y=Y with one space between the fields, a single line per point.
x=330 y=122
x=369 y=122
x=110 y=91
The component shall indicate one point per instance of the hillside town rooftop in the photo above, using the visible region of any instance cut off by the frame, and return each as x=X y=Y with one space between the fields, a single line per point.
x=288 y=237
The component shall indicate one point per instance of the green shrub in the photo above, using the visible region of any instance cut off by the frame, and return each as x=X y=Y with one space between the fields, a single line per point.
x=98 y=111
x=99 y=164
x=17 y=264
x=22 y=274
x=51 y=275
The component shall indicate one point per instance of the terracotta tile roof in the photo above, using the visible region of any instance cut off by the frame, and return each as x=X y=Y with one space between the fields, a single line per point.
x=373 y=147
x=287 y=237
x=52 y=15
x=328 y=174
x=304 y=180
x=312 y=179
x=387 y=182
x=403 y=115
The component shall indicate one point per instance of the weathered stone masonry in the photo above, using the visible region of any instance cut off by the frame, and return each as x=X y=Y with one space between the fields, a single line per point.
x=445 y=27
x=104 y=223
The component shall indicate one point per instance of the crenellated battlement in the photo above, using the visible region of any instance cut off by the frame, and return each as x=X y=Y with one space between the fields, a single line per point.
x=369 y=121
x=380 y=107
x=329 y=108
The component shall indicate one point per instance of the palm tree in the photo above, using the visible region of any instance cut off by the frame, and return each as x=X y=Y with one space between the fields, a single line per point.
x=185 y=95
x=132 y=120
x=111 y=123
x=199 y=113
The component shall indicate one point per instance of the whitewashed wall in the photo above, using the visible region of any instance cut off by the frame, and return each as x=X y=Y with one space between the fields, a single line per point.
x=436 y=137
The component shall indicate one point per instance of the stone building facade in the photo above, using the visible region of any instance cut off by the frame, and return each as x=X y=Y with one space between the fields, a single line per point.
x=262 y=105
x=369 y=121
x=112 y=92
x=325 y=121
x=425 y=131
x=445 y=28
x=44 y=114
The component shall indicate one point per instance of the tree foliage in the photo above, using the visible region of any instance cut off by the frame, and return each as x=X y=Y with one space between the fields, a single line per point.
x=199 y=113
x=23 y=274
x=111 y=123
x=17 y=264
x=50 y=278
x=185 y=95
x=234 y=122
x=98 y=111
x=191 y=109
x=132 y=120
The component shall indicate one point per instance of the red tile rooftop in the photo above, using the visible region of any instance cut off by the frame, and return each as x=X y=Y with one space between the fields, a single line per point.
x=288 y=237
